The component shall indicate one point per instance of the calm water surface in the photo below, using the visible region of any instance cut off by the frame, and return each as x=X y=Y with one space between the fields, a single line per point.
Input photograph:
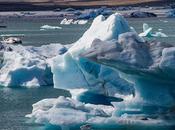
x=71 y=33
x=16 y=103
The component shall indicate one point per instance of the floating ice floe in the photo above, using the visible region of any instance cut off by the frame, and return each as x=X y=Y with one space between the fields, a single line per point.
x=71 y=21
x=28 y=66
x=147 y=32
x=45 y=27
x=66 y=21
x=67 y=111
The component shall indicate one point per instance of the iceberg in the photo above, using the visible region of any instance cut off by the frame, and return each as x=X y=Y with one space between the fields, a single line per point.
x=149 y=65
x=115 y=78
x=81 y=22
x=66 y=21
x=27 y=66
x=71 y=21
x=147 y=32
x=81 y=73
x=49 y=27
x=67 y=111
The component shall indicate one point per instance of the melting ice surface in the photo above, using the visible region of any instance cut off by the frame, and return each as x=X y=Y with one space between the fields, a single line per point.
x=147 y=32
x=124 y=84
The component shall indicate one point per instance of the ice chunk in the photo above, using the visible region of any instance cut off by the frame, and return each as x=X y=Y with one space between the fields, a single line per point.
x=81 y=73
x=71 y=21
x=66 y=21
x=147 y=32
x=50 y=27
x=153 y=63
x=67 y=111
x=27 y=66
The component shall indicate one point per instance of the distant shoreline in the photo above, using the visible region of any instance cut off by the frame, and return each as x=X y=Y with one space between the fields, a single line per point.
x=37 y=15
x=24 y=6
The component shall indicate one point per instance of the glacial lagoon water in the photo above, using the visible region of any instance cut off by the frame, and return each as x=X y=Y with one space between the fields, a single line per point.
x=17 y=102
x=71 y=33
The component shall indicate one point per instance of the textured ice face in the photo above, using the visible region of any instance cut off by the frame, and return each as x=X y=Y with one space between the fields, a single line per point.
x=67 y=111
x=27 y=66
x=149 y=65
x=131 y=55
x=72 y=72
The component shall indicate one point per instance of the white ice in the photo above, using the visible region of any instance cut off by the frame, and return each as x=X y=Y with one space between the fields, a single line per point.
x=147 y=32
x=45 y=27
x=67 y=111
x=66 y=21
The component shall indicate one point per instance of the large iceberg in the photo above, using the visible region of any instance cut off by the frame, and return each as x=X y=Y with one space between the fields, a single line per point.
x=27 y=66
x=149 y=65
x=115 y=77
x=89 y=76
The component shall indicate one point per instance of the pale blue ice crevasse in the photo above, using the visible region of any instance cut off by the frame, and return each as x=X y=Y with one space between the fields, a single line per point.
x=78 y=74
